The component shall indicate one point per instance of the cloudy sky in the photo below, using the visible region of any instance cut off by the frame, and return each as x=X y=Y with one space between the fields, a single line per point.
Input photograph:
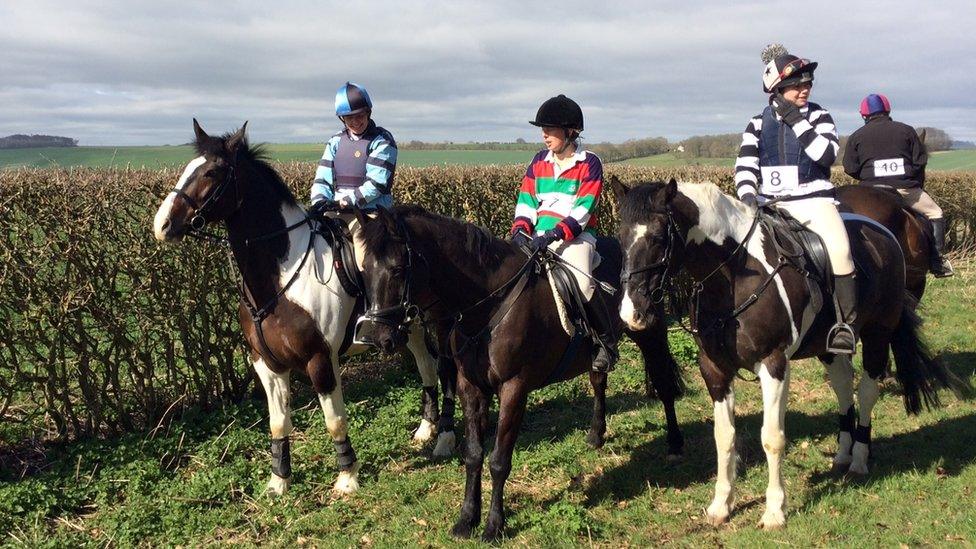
x=126 y=72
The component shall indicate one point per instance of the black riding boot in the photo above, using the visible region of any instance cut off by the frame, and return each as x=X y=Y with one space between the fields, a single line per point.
x=604 y=328
x=939 y=266
x=841 y=339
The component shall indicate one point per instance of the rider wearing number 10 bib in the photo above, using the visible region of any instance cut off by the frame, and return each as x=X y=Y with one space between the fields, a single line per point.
x=887 y=153
x=786 y=154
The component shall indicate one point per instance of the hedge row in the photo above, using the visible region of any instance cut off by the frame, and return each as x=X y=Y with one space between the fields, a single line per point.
x=102 y=328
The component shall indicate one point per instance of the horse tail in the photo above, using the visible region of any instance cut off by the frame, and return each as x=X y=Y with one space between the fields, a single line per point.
x=920 y=373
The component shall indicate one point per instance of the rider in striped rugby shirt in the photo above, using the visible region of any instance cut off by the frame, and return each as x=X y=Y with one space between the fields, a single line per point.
x=786 y=153
x=557 y=207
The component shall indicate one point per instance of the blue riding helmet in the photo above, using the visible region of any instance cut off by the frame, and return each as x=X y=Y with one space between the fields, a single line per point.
x=352 y=98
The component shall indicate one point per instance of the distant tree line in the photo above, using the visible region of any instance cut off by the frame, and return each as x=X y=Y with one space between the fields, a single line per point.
x=21 y=141
x=608 y=152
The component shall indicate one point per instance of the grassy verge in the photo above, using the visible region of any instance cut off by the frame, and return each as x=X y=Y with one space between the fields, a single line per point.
x=199 y=478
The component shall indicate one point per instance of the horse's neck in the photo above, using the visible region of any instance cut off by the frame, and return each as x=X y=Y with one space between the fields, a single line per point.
x=461 y=280
x=263 y=262
x=712 y=226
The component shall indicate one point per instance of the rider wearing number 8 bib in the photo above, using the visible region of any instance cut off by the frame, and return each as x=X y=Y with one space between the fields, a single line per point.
x=786 y=153
x=887 y=153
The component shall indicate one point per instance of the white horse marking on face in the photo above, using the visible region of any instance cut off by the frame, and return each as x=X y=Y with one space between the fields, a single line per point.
x=628 y=313
x=163 y=213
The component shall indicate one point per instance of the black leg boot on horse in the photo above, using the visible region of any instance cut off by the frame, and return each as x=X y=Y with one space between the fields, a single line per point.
x=605 y=331
x=939 y=266
x=841 y=338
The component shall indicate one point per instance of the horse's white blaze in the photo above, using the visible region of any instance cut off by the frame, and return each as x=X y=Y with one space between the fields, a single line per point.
x=721 y=506
x=867 y=397
x=628 y=313
x=841 y=375
x=162 y=214
x=279 y=396
x=775 y=396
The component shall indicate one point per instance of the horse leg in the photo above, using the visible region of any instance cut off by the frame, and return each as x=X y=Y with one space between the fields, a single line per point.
x=723 y=401
x=511 y=411
x=278 y=393
x=874 y=355
x=427 y=365
x=476 y=423
x=446 y=441
x=841 y=374
x=324 y=373
x=598 y=425
x=774 y=375
x=662 y=377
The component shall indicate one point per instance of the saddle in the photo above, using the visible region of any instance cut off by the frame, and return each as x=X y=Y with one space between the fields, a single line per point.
x=336 y=233
x=566 y=294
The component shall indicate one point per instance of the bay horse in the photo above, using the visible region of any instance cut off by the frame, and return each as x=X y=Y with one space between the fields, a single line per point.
x=497 y=317
x=747 y=311
x=294 y=313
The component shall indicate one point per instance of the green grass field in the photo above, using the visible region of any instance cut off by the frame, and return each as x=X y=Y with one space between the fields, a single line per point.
x=155 y=157
x=199 y=480
x=953 y=160
x=673 y=159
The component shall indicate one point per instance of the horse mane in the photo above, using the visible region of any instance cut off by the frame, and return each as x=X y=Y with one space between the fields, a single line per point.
x=254 y=158
x=640 y=202
x=462 y=238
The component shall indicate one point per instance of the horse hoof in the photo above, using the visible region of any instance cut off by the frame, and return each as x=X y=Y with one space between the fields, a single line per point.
x=772 y=520
x=446 y=442
x=491 y=535
x=839 y=468
x=425 y=432
x=462 y=529
x=857 y=471
x=594 y=440
x=348 y=481
x=277 y=486
x=717 y=514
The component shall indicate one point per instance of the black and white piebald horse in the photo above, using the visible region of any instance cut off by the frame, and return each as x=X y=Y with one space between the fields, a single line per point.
x=295 y=314
x=747 y=312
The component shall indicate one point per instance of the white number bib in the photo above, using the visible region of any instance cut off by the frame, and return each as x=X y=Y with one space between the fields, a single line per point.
x=889 y=167
x=778 y=180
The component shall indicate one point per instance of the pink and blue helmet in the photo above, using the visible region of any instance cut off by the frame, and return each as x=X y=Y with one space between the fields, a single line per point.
x=351 y=98
x=874 y=104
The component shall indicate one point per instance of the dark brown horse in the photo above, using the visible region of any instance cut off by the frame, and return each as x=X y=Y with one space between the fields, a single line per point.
x=295 y=314
x=748 y=313
x=497 y=318
x=888 y=208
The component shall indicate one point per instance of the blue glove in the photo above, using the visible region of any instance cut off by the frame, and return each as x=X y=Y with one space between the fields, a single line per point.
x=545 y=239
x=520 y=239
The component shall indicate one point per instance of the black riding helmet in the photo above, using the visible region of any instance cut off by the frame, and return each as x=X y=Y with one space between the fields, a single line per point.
x=559 y=112
x=783 y=69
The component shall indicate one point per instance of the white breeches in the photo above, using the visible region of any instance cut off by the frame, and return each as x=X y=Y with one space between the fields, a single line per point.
x=820 y=215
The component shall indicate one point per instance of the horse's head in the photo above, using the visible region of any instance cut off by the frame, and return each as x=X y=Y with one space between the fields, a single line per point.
x=650 y=242
x=207 y=191
x=393 y=272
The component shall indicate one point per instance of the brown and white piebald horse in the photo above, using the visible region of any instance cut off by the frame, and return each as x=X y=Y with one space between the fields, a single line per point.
x=747 y=313
x=294 y=312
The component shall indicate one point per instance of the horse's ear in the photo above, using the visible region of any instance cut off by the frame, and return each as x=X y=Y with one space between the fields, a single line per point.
x=361 y=216
x=201 y=135
x=234 y=142
x=384 y=216
x=619 y=189
x=670 y=190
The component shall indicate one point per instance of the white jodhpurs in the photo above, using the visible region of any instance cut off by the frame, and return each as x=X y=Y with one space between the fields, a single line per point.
x=580 y=253
x=820 y=215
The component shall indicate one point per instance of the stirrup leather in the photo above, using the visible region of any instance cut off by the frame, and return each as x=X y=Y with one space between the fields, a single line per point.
x=840 y=330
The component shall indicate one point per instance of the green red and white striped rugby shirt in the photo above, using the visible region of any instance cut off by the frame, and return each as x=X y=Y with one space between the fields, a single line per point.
x=567 y=199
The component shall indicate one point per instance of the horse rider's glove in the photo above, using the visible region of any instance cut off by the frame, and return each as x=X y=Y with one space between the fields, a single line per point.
x=789 y=112
x=545 y=239
x=520 y=239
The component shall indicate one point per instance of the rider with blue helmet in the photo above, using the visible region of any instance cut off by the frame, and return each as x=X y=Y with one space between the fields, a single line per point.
x=359 y=161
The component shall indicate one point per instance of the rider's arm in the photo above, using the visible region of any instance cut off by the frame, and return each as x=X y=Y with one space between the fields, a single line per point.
x=587 y=197
x=380 y=166
x=852 y=162
x=527 y=203
x=747 y=163
x=323 y=187
x=818 y=136
x=919 y=156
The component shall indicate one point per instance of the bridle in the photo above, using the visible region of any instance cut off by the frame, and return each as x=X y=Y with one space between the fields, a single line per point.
x=658 y=292
x=396 y=317
x=199 y=220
